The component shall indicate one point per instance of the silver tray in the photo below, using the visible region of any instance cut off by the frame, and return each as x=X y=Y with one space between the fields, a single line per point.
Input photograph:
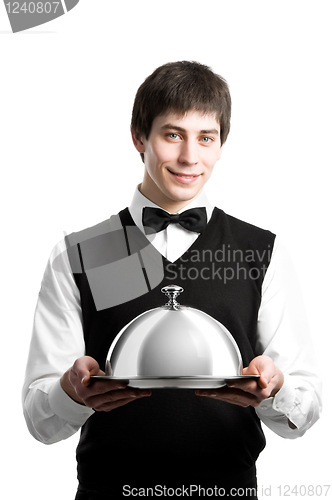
x=196 y=382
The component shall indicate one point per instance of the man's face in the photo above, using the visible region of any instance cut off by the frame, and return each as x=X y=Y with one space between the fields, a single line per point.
x=179 y=157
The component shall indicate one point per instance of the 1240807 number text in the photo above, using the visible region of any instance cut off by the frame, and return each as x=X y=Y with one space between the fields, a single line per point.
x=304 y=490
x=32 y=7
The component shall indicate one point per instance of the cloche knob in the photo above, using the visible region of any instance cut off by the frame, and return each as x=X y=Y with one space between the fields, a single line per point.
x=172 y=292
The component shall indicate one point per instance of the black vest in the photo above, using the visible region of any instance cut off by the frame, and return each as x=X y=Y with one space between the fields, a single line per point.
x=182 y=437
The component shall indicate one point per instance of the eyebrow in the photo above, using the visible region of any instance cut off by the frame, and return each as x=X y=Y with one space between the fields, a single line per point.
x=169 y=126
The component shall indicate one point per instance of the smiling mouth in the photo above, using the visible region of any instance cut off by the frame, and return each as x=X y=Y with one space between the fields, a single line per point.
x=184 y=176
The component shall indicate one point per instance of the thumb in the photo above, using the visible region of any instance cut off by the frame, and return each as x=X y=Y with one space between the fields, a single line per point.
x=252 y=369
x=85 y=368
x=256 y=367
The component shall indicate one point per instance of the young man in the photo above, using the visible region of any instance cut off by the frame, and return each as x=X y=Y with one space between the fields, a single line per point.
x=170 y=438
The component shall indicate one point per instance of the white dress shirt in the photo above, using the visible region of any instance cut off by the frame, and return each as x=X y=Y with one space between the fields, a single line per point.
x=57 y=341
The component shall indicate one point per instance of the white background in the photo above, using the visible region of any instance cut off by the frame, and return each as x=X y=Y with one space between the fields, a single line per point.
x=67 y=162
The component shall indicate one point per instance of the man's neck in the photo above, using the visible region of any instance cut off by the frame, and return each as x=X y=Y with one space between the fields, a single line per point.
x=171 y=206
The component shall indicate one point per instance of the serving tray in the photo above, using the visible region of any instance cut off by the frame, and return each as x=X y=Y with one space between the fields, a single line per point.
x=195 y=382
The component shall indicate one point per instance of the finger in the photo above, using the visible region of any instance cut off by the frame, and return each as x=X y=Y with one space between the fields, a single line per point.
x=259 y=390
x=116 y=404
x=113 y=399
x=104 y=386
x=230 y=395
x=98 y=388
x=222 y=392
x=245 y=385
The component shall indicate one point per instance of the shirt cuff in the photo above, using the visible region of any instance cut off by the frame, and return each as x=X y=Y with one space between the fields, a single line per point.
x=66 y=408
x=285 y=403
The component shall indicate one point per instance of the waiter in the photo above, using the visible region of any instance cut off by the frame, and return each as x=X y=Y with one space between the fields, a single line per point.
x=170 y=442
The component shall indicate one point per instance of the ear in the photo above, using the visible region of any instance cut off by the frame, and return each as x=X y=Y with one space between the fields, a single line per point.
x=138 y=141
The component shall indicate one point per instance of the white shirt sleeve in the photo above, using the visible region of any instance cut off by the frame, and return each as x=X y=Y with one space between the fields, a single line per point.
x=57 y=341
x=283 y=334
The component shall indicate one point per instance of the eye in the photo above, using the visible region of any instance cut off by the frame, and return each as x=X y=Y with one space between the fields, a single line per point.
x=173 y=135
x=206 y=140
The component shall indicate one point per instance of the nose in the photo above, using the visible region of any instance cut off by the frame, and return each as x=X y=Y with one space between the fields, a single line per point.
x=188 y=153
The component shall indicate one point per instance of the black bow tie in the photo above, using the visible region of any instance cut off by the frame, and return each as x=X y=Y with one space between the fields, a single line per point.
x=194 y=219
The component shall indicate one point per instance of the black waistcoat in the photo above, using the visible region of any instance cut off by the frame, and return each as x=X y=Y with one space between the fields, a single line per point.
x=180 y=436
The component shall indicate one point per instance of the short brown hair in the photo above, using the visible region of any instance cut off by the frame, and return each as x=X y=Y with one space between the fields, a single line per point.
x=180 y=87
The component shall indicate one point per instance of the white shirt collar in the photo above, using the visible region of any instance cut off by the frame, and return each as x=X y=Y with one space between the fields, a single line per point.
x=139 y=201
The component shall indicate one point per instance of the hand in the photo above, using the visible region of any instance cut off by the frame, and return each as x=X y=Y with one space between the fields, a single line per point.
x=250 y=392
x=97 y=394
